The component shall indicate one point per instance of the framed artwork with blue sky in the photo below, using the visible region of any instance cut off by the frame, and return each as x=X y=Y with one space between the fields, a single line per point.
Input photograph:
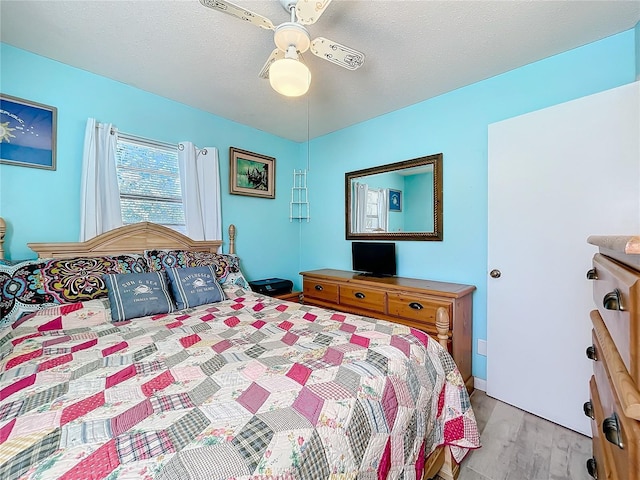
x=27 y=133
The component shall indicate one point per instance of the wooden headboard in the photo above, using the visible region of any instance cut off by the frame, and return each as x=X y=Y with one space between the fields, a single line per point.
x=134 y=238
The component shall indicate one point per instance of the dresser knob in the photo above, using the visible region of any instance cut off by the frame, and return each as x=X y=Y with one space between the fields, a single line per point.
x=319 y=288
x=416 y=306
x=592 y=274
x=588 y=409
x=591 y=353
x=612 y=300
x=359 y=295
x=611 y=430
x=591 y=468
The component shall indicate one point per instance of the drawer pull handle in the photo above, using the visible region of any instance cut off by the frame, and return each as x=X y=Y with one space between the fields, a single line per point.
x=592 y=274
x=588 y=409
x=359 y=295
x=612 y=300
x=591 y=353
x=611 y=430
x=591 y=468
x=319 y=288
x=416 y=306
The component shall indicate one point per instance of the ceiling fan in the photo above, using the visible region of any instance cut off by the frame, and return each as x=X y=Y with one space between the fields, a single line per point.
x=286 y=73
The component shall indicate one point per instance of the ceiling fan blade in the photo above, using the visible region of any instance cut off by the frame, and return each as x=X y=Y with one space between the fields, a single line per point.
x=309 y=11
x=336 y=53
x=239 y=12
x=277 y=54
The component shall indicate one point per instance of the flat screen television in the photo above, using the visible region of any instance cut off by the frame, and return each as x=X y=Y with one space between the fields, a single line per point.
x=377 y=259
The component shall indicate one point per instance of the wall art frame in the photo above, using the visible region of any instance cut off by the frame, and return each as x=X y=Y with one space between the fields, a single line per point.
x=395 y=200
x=251 y=174
x=28 y=133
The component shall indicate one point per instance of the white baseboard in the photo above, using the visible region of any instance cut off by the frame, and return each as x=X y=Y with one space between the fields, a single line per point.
x=480 y=384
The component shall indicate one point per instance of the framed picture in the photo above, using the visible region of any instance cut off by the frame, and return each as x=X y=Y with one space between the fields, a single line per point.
x=251 y=174
x=395 y=200
x=27 y=133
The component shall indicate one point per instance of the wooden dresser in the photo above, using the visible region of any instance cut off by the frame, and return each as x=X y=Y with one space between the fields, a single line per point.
x=614 y=406
x=408 y=301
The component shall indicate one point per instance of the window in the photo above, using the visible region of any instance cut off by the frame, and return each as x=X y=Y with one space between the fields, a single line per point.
x=149 y=182
x=374 y=222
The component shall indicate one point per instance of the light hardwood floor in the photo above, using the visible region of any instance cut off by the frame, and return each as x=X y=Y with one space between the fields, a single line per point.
x=517 y=445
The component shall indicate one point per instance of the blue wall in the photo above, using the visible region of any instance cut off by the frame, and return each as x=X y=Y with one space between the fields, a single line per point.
x=418 y=190
x=44 y=206
x=456 y=125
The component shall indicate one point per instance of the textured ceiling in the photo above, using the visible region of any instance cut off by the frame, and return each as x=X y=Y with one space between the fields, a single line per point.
x=414 y=50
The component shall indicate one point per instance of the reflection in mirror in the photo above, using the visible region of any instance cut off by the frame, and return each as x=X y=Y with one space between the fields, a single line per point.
x=398 y=201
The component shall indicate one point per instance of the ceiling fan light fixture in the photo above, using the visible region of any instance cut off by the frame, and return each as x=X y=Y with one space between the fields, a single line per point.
x=291 y=34
x=289 y=77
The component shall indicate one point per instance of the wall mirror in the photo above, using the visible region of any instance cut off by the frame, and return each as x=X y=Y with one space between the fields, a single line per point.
x=398 y=201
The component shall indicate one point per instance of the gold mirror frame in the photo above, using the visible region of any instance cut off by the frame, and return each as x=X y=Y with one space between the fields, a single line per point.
x=435 y=235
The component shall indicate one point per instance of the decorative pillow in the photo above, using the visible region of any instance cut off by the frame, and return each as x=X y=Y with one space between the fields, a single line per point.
x=79 y=279
x=160 y=260
x=22 y=290
x=227 y=266
x=194 y=286
x=36 y=284
x=199 y=259
x=133 y=295
x=228 y=271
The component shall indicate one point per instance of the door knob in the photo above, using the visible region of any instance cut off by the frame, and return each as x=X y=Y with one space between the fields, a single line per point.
x=495 y=273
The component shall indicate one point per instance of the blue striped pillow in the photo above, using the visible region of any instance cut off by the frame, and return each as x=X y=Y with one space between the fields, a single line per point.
x=194 y=286
x=133 y=295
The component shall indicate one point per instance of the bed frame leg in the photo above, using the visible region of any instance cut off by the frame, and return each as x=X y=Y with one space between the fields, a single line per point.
x=232 y=239
x=450 y=470
x=442 y=326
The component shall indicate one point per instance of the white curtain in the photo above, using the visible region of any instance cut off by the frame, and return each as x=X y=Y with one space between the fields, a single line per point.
x=359 y=218
x=100 y=195
x=383 y=209
x=200 y=181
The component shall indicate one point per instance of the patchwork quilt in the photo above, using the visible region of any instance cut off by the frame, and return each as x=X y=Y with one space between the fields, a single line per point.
x=248 y=388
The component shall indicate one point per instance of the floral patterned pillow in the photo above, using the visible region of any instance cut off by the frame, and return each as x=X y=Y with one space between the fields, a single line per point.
x=79 y=279
x=36 y=284
x=227 y=266
x=22 y=290
x=161 y=260
x=228 y=271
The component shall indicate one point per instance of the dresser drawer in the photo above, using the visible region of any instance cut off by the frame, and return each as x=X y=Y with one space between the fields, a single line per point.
x=367 y=299
x=320 y=290
x=620 y=435
x=607 y=357
x=601 y=450
x=419 y=309
x=616 y=291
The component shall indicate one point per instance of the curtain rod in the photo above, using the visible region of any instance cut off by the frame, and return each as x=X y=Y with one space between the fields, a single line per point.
x=146 y=141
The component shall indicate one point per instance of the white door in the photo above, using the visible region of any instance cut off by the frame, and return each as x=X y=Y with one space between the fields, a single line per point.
x=556 y=176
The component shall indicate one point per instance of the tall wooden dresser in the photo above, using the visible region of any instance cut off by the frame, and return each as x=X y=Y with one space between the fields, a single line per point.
x=614 y=406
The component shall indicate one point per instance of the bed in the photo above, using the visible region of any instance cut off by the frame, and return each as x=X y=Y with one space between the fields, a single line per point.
x=245 y=387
